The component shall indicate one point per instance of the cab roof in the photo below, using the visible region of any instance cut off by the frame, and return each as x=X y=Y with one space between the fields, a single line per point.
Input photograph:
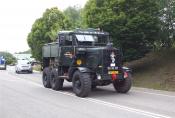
x=84 y=31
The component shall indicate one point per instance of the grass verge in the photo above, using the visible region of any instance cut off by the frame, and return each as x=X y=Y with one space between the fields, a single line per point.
x=37 y=67
x=156 y=70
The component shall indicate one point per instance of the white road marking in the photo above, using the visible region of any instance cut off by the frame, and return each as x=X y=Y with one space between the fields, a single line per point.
x=151 y=93
x=130 y=109
x=117 y=106
x=108 y=104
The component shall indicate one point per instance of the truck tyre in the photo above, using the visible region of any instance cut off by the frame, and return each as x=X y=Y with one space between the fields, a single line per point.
x=81 y=84
x=55 y=82
x=124 y=85
x=46 y=77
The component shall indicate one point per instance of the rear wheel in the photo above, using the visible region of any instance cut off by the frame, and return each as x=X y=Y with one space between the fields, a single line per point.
x=124 y=85
x=46 y=77
x=55 y=81
x=81 y=84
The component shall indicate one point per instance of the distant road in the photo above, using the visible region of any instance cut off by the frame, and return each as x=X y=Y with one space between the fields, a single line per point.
x=23 y=96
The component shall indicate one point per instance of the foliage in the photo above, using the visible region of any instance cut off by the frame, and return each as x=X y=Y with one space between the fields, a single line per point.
x=37 y=67
x=167 y=16
x=133 y=24
x=74 y=15
x=25 y=52
x=10 y=59
x=45 y=30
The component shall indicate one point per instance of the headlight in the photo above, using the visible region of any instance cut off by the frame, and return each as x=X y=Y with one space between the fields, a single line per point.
x=99 y=77
x=19 y=67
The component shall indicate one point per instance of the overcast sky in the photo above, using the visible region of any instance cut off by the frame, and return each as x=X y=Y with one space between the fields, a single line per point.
x=17 y=17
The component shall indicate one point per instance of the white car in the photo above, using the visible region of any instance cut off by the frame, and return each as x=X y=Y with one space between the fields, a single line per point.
x=23 y=66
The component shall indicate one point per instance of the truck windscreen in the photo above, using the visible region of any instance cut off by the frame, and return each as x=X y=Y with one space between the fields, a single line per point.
x=92 y=39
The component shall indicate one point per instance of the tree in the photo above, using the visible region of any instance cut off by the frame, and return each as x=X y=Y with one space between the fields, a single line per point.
x=74 y=15
x=10 y=59
x=167 y=16
x=45 y=30
x=25 y=52
x=133 y=24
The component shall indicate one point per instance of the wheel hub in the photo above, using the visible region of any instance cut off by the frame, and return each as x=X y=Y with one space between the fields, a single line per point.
x=77 y=84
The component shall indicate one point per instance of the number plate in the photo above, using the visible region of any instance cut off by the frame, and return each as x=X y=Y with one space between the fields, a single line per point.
x=112 y=72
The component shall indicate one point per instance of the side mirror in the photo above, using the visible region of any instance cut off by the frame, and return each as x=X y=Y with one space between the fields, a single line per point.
x=109 y=45
x=61 y=42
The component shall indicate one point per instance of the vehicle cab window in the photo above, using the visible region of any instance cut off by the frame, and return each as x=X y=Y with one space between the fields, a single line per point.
x=68 y=40
x=65 y=40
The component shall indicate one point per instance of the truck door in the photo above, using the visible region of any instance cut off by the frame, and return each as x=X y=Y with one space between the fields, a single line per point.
x=66 y=49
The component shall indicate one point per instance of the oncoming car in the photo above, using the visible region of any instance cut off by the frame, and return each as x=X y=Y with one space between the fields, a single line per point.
x=2 y=63
x=23 y=66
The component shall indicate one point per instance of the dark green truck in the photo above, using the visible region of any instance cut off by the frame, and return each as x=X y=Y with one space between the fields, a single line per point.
x=87 y=59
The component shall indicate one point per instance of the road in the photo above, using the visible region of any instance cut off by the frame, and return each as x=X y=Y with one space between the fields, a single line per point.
x=23 y=96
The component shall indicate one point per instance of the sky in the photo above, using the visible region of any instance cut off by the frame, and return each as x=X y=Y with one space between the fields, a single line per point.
x=17 y=17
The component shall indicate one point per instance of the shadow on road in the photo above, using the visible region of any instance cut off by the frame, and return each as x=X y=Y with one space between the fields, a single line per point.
x=98 y=92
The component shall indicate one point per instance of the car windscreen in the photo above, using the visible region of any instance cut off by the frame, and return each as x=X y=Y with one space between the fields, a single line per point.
x=23 y=62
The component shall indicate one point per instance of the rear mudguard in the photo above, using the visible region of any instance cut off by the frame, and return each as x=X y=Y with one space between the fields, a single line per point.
x=126 y=72
x=126 y=69
x=84 y=69
x=81 y=69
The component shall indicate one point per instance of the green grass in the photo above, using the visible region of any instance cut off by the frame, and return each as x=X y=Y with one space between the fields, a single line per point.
x=156 y=70
x=37 y=67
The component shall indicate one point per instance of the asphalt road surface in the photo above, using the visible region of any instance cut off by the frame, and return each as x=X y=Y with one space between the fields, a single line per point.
x=23 y=96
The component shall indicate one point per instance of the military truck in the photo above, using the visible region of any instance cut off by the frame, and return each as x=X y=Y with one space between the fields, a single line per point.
x=86 y=58
x=2 y=63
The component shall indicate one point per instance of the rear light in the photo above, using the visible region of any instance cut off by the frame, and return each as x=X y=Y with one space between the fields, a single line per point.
x=114 y=77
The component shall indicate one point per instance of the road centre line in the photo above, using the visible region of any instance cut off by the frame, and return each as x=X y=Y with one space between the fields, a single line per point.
x=108 y=104
x=117 y=106
x=130 y=109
